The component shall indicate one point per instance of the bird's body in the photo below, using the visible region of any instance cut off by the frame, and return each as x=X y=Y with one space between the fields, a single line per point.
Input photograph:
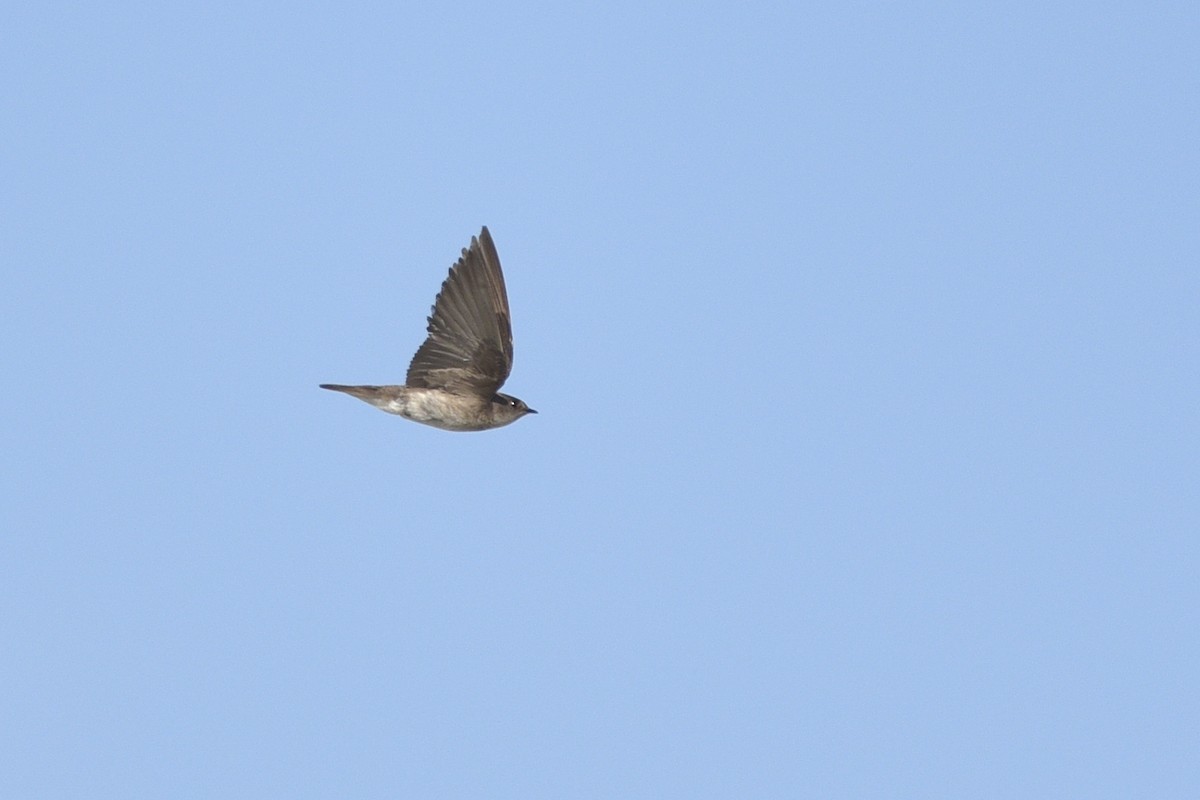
x=454 y=379
x=439 y=408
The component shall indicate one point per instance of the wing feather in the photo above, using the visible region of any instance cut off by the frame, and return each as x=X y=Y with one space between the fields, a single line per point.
x=469 y=348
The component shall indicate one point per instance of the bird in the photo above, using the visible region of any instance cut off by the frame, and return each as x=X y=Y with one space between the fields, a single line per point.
x=454 y=380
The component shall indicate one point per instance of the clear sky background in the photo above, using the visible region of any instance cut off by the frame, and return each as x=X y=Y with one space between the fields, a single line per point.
x=865 y=339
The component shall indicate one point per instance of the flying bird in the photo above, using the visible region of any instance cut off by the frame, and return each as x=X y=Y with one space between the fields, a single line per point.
x=454 y=380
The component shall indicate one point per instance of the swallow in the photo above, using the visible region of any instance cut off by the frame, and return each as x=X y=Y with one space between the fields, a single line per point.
x=454 y=380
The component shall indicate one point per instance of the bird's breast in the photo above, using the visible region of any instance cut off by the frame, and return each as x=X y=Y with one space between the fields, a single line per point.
x=441 y=409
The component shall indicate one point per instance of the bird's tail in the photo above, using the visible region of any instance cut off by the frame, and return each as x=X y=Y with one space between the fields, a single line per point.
x=367 y=393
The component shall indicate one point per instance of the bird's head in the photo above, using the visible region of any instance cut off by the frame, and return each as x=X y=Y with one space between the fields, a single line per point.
x=508 y=408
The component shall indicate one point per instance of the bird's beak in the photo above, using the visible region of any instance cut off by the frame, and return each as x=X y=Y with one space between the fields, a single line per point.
x=530 y=411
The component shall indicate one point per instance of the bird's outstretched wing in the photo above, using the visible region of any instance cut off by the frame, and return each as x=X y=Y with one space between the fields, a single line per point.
x=469 y=349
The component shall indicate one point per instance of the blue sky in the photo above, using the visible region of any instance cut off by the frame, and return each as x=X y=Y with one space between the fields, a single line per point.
x=865 y=342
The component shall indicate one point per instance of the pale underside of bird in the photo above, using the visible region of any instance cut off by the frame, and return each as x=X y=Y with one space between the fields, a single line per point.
x=454 y=380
